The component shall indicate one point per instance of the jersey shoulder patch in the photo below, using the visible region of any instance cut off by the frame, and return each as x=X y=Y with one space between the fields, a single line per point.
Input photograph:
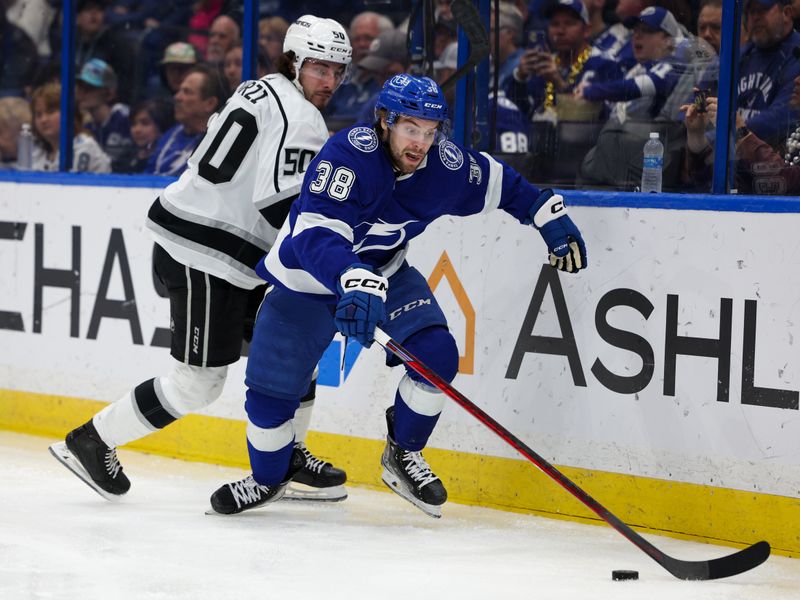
x=451 y=155
x=363 y=138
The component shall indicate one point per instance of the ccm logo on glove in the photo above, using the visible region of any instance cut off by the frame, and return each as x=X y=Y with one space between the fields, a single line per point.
x=359 y=279
x=365 y=284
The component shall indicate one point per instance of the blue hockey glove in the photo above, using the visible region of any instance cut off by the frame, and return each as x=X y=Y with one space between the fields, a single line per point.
x=362 y=294
x=564 y=241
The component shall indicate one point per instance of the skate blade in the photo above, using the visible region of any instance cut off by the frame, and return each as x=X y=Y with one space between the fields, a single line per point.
x=305 y=493
x=394 y=484
x=66 y=458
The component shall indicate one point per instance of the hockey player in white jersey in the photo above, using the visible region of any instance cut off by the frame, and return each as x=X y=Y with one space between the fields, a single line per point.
x=339 y=265
x=211 y=227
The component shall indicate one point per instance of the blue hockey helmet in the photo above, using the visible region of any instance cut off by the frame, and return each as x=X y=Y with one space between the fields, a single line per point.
x=412 y=96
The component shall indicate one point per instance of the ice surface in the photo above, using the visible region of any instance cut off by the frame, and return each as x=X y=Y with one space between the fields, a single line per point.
x=59 y=539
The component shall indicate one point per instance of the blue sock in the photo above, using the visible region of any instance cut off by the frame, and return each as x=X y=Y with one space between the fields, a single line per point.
x=270 y=468
x=411 y=429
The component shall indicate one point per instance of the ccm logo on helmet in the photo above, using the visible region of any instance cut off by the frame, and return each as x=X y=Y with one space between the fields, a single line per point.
x=432 y=105
x=366 y=283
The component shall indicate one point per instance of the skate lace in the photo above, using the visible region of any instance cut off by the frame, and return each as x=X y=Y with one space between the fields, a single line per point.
x=247 y=491
x=112 y=462
x=313 y=463
x=417 y=468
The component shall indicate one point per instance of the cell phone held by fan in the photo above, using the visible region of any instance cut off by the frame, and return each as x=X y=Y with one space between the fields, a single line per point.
x=537 y=40
x=700 y=97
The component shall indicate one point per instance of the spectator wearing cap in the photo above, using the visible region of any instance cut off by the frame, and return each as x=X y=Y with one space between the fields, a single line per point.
x=642 y=92
x=95 y=88
x=388 y=56
x=767 y=70
x=545 y=73
x=615 y=41
x=200 y=95
x=179 y=58
x=509 y=40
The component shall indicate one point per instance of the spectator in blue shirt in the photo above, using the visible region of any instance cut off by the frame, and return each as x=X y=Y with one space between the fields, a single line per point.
x=543 y=76
x=767 y=70
x=646 y=87
x=202 y=92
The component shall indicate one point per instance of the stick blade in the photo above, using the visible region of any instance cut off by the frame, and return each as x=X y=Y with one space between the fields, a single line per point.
x=718 y=568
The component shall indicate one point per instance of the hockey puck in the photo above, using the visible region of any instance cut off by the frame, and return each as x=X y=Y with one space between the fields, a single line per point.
x=623 y=575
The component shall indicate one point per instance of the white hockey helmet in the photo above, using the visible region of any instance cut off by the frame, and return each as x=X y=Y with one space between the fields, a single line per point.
x=320 y=39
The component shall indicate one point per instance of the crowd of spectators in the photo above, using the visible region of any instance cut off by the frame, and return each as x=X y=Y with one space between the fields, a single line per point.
x=580 y=83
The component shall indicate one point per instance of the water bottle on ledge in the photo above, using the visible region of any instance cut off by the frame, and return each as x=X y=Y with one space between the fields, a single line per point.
x=653 y=165
x=25 y=148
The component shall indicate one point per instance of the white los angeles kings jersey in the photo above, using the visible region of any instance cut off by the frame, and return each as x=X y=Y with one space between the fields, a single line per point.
x=224 y=212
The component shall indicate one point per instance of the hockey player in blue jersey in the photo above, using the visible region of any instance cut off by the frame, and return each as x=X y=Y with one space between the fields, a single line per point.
x=339 y=265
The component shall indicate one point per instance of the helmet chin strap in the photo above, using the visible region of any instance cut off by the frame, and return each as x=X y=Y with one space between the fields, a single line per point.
x=296 y=80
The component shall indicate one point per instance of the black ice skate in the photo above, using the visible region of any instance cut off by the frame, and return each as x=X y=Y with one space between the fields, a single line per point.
x=236 y=497
x=86 y=455
x=408 y=475
x=318 y=480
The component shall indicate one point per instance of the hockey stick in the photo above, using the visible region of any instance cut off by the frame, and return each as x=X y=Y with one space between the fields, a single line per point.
x=716 y=568
x=467 y=16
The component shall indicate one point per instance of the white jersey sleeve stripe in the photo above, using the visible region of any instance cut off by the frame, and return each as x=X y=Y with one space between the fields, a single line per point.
x=310 y=220
x=494 y=188
x=275 y=198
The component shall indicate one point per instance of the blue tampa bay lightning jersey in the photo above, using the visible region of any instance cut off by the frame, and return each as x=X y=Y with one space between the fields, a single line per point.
x=352 y=208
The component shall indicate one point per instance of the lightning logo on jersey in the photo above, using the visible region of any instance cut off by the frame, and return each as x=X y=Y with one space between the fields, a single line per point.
x=382 y=229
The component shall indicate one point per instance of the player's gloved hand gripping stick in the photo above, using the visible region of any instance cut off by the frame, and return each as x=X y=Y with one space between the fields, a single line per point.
x=362 y=294
x=563 y=239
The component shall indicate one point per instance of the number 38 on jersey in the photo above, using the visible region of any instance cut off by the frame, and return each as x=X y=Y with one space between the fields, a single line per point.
x=338 y=182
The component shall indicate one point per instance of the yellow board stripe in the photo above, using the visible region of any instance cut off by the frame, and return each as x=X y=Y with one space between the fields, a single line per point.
x=682 y=510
